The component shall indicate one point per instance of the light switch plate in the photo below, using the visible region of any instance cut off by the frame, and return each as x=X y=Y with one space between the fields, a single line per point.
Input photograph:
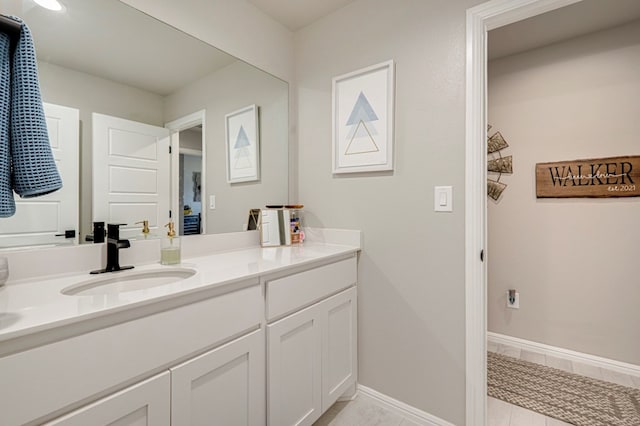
x=212 y=202
x=443 y=198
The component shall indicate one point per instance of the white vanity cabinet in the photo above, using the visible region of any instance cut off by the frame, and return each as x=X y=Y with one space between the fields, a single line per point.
x=143 y=404
x=272 y=346
x=94 y=367
x=225 y=386
x=311 y=353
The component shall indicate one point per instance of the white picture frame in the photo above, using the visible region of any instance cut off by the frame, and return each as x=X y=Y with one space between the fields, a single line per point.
x=363 y=119
x=242 y=145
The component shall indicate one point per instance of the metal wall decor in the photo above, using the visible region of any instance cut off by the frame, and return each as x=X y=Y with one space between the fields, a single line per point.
x=496 y=163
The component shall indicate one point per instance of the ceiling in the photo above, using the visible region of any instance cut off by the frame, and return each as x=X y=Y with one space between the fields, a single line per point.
x=572 y=21
x=295 y=14
x=561 y=24
x=111 y=40
x=83 y=37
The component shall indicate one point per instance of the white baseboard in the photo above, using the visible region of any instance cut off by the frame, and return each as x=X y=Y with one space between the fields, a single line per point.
x=596 y=361
x=407 y=411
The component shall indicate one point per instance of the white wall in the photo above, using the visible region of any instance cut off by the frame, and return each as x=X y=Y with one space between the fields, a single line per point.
x=89 y=94
x=227 y=90
x=573 y=261
x=411 y=278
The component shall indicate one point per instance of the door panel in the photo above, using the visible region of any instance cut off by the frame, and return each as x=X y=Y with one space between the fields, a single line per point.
x=143 y=404
x=339 y=346
x=295 y=369
x=131 y=170
x=224 y=386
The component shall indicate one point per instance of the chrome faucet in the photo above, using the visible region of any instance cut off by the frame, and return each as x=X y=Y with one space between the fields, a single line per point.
x=114 y=244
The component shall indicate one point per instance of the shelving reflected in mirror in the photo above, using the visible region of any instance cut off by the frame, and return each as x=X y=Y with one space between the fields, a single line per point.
x=120 y=88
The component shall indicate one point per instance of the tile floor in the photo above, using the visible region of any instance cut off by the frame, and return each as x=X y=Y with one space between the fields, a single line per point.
x=363 y=411
x=501 y=413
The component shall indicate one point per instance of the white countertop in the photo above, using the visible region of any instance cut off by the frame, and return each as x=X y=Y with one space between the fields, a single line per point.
x=38 y=305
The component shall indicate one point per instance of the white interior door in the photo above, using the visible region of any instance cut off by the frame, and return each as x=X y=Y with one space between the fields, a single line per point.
x=131 y=174
x=40 y=220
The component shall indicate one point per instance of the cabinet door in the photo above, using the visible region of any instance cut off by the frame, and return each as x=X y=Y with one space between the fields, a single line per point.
x=339 y=343
x=146 y=403
x=224 y=386
x=294 y=369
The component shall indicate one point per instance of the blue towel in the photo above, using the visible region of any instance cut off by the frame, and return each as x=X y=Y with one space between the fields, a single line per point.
x=7 y=206
x=33 y=169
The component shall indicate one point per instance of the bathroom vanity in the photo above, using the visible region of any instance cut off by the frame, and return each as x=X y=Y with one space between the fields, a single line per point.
x=255 y=336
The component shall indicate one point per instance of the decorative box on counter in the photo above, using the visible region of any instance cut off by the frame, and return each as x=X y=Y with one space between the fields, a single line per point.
x=280 y=225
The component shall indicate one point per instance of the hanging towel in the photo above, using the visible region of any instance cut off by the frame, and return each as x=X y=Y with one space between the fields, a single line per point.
x=7 y=206
x=33 y=168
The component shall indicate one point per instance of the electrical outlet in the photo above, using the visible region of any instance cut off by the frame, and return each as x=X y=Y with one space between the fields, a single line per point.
x=516 y=301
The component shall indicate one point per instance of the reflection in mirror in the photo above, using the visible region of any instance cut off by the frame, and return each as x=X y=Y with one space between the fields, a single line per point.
x=188 y=144
x=45 y=220
x=190 y=181
x=93 y=59
x=275 y=225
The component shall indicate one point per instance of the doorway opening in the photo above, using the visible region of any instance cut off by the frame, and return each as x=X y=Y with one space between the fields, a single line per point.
x=190 y=182
x=481 y=20
x=188 y=171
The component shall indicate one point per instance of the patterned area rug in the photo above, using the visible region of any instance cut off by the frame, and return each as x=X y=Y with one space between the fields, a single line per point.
x=575 y=399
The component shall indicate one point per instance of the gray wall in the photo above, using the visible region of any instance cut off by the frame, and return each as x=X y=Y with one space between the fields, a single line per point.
x=411 y=277
x=574 y=261
x=88 y=93
x=191 y=139
x=267 y=45
x=236 y=27
x=227 y=90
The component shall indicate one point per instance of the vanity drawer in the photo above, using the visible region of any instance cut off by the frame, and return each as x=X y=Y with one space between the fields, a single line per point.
x=291 y=293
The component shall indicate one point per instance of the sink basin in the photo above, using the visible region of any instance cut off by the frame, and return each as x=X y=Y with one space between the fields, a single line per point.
x=123 y=282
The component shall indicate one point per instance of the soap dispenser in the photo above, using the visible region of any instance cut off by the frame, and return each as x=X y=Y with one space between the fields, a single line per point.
x=170 y=249
x=145 y=228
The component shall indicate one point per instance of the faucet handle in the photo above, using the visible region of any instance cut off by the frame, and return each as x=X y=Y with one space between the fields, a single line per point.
x=113 y=230
x=115 y=225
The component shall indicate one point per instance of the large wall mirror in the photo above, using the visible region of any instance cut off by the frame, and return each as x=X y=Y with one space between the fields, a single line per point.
x=120 y=88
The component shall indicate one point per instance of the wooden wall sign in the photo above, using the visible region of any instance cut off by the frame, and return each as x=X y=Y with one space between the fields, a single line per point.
x=596 y=178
